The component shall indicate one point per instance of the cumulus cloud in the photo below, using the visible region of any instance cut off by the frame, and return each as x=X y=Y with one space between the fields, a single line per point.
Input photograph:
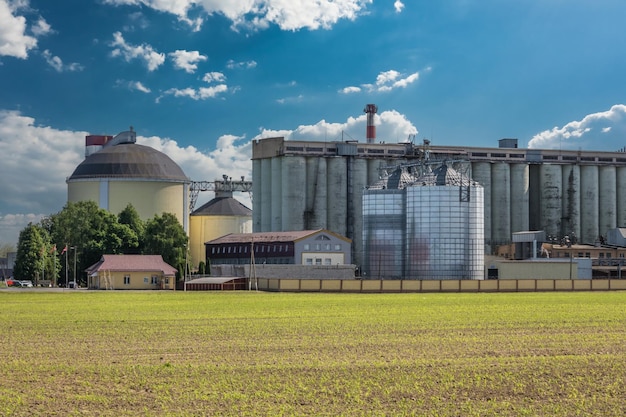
x=56 y=63
x=187 y=60
x=259 y=14
x=210 y=77
x=596 y=131
x=391 y=126
x=144 y=52
x=385 y=82
x=398 y=6
x=133 y=86
x=14 y=41
x=240 y=65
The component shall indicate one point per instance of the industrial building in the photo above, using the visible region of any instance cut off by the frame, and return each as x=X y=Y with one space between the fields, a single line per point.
x=423 y=225
x=300 y=247
x=581 y=194
x=117 y=172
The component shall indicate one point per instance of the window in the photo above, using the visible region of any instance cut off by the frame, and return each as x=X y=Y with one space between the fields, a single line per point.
x=126 y=279
x=167 y=280
x=145 y=280
x=308 y=261
x=337 y=247
x=587 y=255
x=307 y=246
x=327 y=261
x=154 y=280
x=327 y=246
x=601 y=254
x=318 y=246
x=318 y=261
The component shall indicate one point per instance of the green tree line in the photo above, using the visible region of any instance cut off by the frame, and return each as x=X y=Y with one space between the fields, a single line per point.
x=66 y=243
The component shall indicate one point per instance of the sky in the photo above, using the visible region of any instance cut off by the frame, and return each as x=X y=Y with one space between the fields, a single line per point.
x=200 y=79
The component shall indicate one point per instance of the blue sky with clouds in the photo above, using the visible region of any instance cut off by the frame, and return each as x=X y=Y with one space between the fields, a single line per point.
x=198 y=79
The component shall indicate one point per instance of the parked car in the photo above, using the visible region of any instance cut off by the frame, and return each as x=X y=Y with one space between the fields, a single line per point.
x=26 y=283
x=13 y=283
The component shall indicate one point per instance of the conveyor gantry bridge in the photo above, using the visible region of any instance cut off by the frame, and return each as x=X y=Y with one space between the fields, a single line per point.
x=222 y=188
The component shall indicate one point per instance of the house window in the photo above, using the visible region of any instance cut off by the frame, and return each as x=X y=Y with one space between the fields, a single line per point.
x=601 y=254
x=145 y=280
x=155 y=280
x=126 y=279
x=308 y=261
x=318 y=261
x=327 y=261
x=318 y=246
x=608 y=255
x=327 y=246
x=307 y=246
x=167 y=280
x=337 y=247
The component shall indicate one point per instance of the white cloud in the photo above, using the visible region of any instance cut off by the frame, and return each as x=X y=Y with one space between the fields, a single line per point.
x=295 y=99
x=398 y=6
x=56 y=63
x=391 y=126
x=41 y=28
x=241 y=65
x=144 y=52
x=13 y=38
x=210 y=77
x=350 y=90
x=187 y=60
x=260 y=14
x=201 y=93
x=385 y=81
x=596 y=131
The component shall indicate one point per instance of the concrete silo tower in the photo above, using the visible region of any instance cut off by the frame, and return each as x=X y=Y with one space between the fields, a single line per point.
x=117 y=172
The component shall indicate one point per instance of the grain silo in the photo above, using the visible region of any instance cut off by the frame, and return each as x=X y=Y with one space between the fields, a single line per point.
x=117 y=172
x=427 y=226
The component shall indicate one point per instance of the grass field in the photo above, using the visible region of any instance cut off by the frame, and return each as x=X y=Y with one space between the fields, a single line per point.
x=270 y=354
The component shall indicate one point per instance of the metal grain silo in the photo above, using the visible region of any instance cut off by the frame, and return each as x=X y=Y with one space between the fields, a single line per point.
x=500 y=203
x=445 y=237
x=607 y=188
x=589 y=231
x=293 y=189
x=276 y=186
x=551 y=199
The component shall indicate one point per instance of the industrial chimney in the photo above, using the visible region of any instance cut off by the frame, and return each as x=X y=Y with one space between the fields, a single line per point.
x=371 y=110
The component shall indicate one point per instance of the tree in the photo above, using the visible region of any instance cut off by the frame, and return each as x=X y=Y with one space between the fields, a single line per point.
x=166 y=237
x=130 y=217
x=32 y=253
x=5 y=248
x=90 y=232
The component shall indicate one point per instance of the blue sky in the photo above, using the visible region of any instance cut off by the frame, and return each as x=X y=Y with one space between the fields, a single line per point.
x=199 y=79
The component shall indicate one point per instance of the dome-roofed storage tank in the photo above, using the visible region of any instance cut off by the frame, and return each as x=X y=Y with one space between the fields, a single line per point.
x=218 y=217
x=123 y=173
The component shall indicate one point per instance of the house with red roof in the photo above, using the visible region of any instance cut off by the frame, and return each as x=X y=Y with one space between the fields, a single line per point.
x=131 y=272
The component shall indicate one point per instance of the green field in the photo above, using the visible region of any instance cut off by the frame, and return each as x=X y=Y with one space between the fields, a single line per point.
x=254 y=353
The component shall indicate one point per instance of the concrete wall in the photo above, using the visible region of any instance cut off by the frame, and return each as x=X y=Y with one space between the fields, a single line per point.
x=285 y=271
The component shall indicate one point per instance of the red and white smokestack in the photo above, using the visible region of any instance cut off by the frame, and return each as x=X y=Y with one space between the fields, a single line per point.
x=371 y=110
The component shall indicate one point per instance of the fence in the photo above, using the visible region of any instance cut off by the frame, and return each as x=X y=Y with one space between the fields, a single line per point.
x=390 y=286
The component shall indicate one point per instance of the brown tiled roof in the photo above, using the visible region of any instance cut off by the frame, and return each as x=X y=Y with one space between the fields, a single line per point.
x=132 y=263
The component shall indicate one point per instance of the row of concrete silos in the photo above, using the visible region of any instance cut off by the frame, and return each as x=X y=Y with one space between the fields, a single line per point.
x=583 y=201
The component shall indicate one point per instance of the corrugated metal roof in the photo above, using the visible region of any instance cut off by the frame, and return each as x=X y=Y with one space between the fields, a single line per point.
x=132 y=263
x=223 y=206
x=444 y=175
x=129 y=160
x=272 y=236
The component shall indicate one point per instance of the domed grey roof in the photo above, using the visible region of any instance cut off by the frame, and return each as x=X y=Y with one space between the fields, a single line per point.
x=129 y=160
